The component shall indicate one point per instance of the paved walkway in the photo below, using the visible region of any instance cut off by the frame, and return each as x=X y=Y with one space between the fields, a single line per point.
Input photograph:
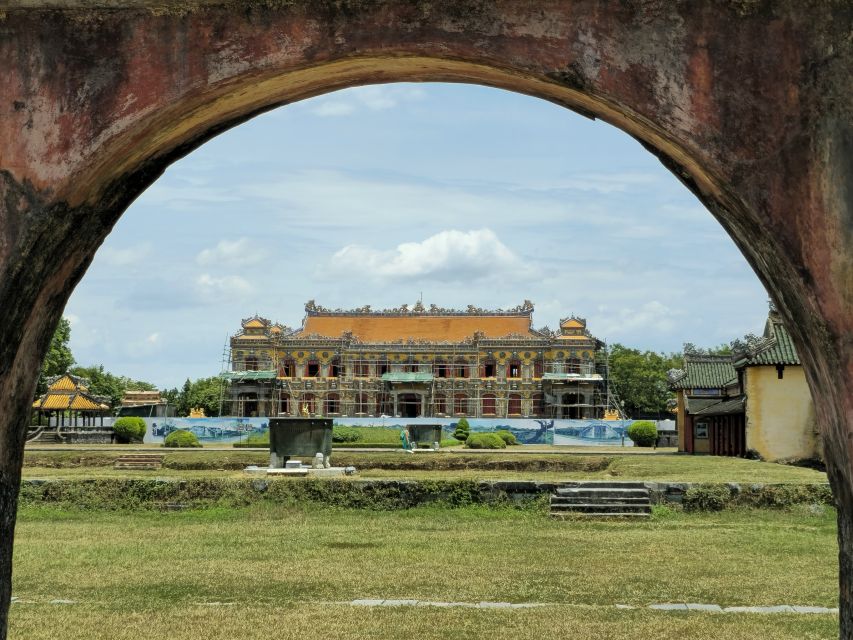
x=663 y=606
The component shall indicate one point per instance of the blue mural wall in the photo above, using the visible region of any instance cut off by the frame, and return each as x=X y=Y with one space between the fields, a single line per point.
x=528 y=430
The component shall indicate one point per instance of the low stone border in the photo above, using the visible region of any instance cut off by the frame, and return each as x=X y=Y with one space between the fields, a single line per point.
x=664 y=606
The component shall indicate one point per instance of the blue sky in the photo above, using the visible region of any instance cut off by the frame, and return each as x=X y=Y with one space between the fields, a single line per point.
x=374 y=195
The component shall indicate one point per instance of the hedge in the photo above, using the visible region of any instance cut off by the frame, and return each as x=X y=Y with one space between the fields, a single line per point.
x=644 y=433
x=181 y=438
x=129 y=428
x=485 y=441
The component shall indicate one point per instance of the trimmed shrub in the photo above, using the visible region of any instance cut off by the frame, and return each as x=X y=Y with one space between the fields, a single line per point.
x=345 y=434
x=485 y=441
x=707 y=498
x=507 y=436
x=643 y=433
x=181 y=438
x=129 y=428
x=449 y=442
x=463 y=430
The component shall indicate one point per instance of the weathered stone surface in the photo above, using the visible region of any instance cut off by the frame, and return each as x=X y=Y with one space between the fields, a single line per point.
x=713 y=608
x=747 y=102
x=669 y=606
x=782 y=608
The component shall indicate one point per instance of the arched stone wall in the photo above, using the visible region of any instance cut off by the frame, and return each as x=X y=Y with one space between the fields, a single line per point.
x=747 y=102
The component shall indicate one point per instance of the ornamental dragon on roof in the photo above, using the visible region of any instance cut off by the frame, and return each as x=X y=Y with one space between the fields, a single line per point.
x=312 y=308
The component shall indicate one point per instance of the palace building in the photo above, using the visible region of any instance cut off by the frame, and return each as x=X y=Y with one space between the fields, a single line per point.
x=417 y=362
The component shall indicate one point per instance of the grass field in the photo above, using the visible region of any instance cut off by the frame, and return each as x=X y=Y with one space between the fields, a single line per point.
x=143 y=575
x=540 y=466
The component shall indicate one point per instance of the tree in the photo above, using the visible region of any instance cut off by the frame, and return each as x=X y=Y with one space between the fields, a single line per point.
x=640 y=379
x=59 y=357
x=205 y=393
x=182 y=405
x=720 y=350
x=110 y=386
x=102 y=383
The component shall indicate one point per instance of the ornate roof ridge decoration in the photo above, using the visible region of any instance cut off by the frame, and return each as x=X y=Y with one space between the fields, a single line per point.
x=283 y=330
x=674 y=375
x=545 y=332
x=774 y=347
x=707 y=357
x=78 y=381
x=750 y=345
x=524 y=309
x=246 y=321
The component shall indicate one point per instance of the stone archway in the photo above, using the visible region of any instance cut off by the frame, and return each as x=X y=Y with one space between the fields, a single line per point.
x=747 y=102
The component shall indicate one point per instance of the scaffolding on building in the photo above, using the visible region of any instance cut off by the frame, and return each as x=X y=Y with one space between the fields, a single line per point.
x=451 y=383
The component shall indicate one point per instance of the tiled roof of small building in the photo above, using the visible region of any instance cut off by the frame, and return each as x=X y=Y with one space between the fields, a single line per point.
x=703 y=372
x=723 y=407
x=774 y=348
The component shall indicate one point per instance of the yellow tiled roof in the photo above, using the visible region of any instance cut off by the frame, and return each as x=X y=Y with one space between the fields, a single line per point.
x=59 y=401
x=66 y=383
x=254 y=324
x=433 y=328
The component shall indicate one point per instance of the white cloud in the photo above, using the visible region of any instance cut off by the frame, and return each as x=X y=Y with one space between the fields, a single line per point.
x=232 y=253
x=371 y=97
x=600 y=182
x=124 y=257
x=450 y=255
x=333 y=108
x=652 y=317
x=215 y=290
x=154 y=338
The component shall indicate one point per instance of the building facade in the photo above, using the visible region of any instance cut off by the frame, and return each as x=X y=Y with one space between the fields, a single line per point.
x=753 y=402
x=417 y=362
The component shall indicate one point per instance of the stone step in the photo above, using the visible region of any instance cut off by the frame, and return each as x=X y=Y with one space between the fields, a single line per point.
x=600 y=494
x=600 y=500
x=139 y=461
x=603 y=484
x=144 y=466
x=575 y=514
x=601 y=508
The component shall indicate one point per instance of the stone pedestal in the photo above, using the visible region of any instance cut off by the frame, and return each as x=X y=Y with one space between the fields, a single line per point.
x=302 y=437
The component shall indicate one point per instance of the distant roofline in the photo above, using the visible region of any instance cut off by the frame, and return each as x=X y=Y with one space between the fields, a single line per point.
x=418 y=310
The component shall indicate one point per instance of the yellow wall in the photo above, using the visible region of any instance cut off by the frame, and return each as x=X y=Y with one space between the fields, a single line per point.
x=701 y=445
x=780 y=423
x=680 y=419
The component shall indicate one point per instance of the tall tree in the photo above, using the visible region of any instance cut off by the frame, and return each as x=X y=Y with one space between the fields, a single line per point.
x=205 y=393
x=640 y=379
x=59 y=357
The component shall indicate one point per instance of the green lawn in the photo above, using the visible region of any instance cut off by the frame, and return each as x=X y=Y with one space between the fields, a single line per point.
x=143 y=575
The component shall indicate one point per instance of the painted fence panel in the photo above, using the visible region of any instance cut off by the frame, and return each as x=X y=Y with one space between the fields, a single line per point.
x=227 y=430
